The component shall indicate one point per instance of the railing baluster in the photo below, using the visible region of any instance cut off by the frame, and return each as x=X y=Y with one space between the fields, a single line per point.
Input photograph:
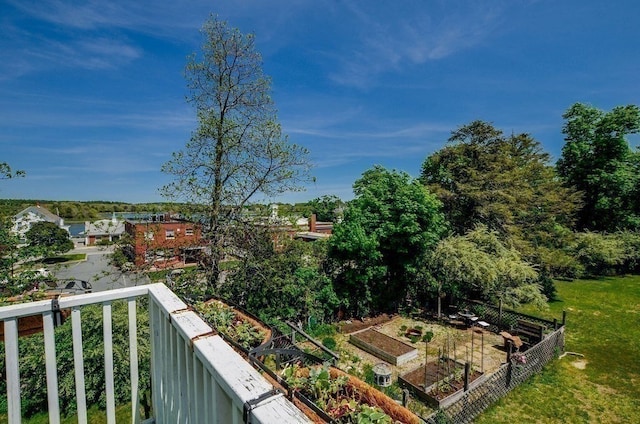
x=78 y=363
x=206 y=381
x=155 y=322
x=51 y=368
x=198 y=404
x=133 y=361
x=13 y=371
x=108 y=362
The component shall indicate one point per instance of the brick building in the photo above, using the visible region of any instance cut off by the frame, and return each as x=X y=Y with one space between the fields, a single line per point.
x=163 y=241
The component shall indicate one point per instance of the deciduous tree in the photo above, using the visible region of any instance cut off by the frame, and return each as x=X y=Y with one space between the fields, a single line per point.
x=238 y=150
x=48 y=238
x=380 y=246
x=479 y=264
x=598 y=161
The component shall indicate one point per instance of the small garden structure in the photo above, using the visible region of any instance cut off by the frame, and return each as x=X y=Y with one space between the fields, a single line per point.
x=384 y=347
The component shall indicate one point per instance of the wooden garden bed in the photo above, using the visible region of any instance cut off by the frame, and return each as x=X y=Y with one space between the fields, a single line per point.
x=341 y=397
x=384 y=347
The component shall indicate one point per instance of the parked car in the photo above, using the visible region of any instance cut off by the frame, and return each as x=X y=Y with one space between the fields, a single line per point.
x=69 y=286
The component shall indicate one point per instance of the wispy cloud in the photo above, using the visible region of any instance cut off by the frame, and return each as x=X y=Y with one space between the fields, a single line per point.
x=385 y=43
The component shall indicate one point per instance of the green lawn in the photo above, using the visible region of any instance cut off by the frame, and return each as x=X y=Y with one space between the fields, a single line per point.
x=94 y=416
x=603 y=324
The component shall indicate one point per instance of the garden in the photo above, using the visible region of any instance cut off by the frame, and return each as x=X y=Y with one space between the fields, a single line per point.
x=374 y=341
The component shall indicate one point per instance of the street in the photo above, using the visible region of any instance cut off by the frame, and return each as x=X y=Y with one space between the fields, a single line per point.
x=97 y=270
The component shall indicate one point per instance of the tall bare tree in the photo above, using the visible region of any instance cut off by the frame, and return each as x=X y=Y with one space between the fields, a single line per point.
x=238 y=152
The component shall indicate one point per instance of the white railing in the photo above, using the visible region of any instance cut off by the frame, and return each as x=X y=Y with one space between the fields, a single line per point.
x=196 y=377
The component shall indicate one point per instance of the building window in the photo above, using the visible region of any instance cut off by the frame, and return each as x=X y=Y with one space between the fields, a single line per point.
x=170 y=234
x=188 y=232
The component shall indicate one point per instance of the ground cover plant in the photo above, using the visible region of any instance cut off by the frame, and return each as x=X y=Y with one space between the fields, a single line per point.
x=602 y=386
x=232 y=323
x=343 y=397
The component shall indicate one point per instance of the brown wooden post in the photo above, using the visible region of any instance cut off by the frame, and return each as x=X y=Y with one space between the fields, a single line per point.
x=555 y=323
x=500 y=315
x=467 y=368
x=564 y=317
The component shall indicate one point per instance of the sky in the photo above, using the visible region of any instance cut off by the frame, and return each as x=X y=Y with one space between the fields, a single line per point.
x=92 y=93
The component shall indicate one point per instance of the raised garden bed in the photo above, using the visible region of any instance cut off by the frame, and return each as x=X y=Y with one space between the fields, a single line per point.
x=240 y=328
x=384 y=347
x=343 y=398
x=441 y=389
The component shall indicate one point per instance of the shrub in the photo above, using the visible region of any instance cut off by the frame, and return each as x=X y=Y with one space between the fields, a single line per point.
x=600 y=254
x=329 y=343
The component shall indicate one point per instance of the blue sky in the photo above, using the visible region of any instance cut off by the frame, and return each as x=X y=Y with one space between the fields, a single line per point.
x=92 y=93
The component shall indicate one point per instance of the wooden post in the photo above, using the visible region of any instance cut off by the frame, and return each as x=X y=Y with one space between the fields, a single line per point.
x=426 y=354
x=509 y=346
x=482 y=353
x=555 y=323
x=405 y=397
x=500 y=315
x=564 y=317
x=472 y=347
x=467 y=368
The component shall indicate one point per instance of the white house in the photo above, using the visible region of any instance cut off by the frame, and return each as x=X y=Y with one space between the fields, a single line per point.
x=23 y=220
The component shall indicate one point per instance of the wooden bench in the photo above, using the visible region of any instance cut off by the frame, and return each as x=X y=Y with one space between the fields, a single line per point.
x=530 y=331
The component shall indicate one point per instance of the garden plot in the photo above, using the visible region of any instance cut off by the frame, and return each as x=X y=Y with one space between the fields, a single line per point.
x=383 y=346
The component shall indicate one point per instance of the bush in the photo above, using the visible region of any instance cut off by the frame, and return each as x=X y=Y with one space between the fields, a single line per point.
x=600 y=254
x=631 y=245
x=329 y=343
x=322 y=330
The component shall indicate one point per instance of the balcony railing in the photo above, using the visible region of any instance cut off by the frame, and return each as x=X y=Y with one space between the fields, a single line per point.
x=195 y=376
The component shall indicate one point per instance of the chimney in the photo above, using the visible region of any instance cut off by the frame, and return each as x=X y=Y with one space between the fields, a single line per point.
x=312 y=223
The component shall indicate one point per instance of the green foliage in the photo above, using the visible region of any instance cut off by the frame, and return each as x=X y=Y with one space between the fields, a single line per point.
x=479 y=264
x=6 y=172
x=228 y=322
x=331 y=394
x=330 y=343
x=238 y=150
x=322 y=330
x=600 y=254
x=288 y=284
x=327 y=208
x=33 y=377
x=49 y=238
x=503 y=182
x=378 y=250
x=598 y=161
x=506 y=184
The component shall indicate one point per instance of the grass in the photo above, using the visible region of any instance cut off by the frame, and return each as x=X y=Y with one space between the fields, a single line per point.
x=603 y=324
x=94 y=416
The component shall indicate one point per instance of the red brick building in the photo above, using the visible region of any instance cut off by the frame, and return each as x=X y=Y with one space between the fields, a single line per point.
x=163 y=241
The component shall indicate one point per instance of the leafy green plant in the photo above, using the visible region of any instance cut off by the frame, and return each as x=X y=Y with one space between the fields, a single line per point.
x=334 y=395
x=225 y=319
x=372 y=415
x=329 y=343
